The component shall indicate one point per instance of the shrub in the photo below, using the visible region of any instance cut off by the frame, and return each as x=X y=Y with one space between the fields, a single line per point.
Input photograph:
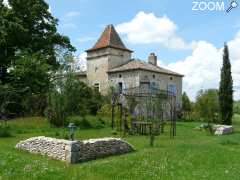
x=72 y=98
x=5 y=131
x=99 y=123
x=80 y=122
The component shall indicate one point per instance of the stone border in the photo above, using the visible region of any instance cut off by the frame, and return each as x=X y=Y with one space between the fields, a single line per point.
x=75 y=151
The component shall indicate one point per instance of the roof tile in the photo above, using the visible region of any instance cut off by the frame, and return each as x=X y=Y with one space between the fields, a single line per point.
x=109 y=38
x=137 y=64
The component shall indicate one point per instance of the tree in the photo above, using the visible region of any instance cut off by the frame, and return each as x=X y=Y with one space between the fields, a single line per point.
x=186 y=105
x=226 y=89
x=29 y=50
x=71 y=97
x=30 y=71
x=207 y=105
x=28 y=25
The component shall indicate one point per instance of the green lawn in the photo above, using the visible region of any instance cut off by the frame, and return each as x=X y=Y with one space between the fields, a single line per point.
x=191 y=155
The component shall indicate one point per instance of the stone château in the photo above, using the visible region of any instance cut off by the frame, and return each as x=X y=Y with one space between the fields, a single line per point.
x=110 y=63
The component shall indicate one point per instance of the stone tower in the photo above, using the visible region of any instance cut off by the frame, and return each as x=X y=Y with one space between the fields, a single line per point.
x=107 y=53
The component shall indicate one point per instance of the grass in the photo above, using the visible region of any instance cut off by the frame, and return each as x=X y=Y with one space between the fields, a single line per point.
x=191 y=155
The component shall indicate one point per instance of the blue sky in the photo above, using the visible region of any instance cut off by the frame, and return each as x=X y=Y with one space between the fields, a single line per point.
x=90 y=16
x=84 y=20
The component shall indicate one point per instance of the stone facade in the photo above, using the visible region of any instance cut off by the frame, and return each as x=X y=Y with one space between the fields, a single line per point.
x=102 y=60
x=74 y=151
x=110 y=64
x=134 y=78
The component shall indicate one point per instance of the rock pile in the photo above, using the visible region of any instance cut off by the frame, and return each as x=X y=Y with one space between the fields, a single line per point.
x=75 y=151
x=223 y=129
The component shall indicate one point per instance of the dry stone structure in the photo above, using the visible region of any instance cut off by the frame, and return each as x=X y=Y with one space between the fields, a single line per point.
x=75 y=151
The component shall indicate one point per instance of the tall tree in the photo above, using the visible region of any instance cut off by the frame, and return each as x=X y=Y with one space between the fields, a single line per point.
x=226 y=89
x=28 y=25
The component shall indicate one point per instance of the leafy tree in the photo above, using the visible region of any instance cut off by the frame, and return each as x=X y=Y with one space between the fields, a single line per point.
x=28 y=24
x=226 y=89
x=71 y=97
x=236 y=107
x=207 y=105
x=30 y=71
x=186 y=105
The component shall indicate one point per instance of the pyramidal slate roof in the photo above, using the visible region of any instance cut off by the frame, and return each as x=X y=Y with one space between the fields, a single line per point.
x=109 y=38
x=141 y=65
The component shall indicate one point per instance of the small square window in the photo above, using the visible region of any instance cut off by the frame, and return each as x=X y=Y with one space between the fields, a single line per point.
x=97 y=87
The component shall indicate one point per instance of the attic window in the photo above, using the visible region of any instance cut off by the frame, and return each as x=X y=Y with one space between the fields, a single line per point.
x=171 y=78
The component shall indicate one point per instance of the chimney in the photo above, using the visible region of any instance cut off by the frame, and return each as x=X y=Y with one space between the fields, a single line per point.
x=152 y=59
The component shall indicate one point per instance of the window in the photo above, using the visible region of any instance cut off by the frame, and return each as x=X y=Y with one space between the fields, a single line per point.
x=153 y=85
x=97 y=87
x=171 y=78
x=120 y=88
x=120 y=75
x=172 y=88
x=153 y=76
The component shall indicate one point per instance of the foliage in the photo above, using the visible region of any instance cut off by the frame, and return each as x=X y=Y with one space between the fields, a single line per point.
x=87 y=122
x=5 y=130
x=31 y=72
x=29 y=50
x=10 y=102
x=226 y=90
x=33 y=29
x=105 y=111
x=207 y=106
x=186 y=106
x=236 y=107
x=80 y=122
x=71 y=97
x=55 y=111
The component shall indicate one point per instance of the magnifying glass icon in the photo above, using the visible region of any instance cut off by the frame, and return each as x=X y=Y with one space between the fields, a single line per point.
x=233 y=5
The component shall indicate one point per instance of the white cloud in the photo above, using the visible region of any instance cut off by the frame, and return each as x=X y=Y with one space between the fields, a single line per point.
x=202 y=67
x=146 y=28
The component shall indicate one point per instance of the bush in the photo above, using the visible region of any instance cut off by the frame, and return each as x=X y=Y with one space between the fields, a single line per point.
x=5 y=131
x=72 y=98
x=99 y=123
x=80 y=122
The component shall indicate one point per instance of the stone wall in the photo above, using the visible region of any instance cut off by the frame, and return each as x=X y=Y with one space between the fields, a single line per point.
x=102 y=60
x=75 y=151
